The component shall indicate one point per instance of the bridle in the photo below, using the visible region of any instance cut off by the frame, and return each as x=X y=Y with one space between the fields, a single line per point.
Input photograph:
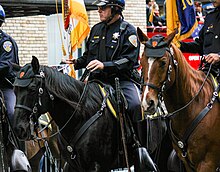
x=38 y=103
x=164 y=86
x=34 y=111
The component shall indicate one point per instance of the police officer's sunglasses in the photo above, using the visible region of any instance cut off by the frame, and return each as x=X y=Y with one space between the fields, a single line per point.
x=103 y=7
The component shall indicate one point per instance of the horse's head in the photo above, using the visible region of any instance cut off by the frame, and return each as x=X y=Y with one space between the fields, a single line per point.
x=157 y=63
x=31 y=98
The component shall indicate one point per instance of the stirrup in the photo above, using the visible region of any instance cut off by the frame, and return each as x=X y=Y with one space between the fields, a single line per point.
x=143 y=161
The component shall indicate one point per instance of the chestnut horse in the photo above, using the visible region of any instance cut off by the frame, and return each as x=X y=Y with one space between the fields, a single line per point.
x=194 y=112
x=36 y=148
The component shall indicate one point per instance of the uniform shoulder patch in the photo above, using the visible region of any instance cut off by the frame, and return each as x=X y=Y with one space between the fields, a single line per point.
x=133 y=40
x=7 y=45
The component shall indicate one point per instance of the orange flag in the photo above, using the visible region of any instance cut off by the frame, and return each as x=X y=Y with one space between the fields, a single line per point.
x=76 y=21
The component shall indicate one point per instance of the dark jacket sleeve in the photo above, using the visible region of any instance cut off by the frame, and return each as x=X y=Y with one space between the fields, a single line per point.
x=82 y=61
x=128 y=56
x=6 y=58
x=193 y=47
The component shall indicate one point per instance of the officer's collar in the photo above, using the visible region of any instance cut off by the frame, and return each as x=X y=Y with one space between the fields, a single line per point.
x=115 y=23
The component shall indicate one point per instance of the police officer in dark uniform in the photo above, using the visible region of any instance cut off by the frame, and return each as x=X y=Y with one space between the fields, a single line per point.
x=208 y=43
x=8 y=55
x=112 y=51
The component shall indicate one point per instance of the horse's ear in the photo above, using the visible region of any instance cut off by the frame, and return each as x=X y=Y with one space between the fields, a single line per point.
x=170 y=37
x=35 y=64
x=141 y=36
x=15 y=67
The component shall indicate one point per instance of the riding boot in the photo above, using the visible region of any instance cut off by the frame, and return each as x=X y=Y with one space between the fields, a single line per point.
x=143 y=161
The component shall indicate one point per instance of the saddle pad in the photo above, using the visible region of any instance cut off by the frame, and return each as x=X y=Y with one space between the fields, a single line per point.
x=109 y=104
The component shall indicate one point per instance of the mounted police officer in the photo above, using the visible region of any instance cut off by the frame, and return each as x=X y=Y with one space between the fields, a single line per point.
x=208 y=43
x=112 y=51
x=8 y=57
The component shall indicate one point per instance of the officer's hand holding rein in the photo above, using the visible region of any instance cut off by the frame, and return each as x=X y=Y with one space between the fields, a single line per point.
x=94 y=65
x=212 y=58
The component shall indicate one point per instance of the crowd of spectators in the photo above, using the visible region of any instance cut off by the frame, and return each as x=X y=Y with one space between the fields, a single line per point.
x=156 y=16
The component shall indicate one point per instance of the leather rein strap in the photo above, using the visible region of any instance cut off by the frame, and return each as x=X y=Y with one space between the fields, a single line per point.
x=182 y=143
x=70 y=145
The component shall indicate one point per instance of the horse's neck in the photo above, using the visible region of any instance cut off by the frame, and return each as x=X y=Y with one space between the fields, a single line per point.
x=186 y=81
x=187 y=84
x=75 y=110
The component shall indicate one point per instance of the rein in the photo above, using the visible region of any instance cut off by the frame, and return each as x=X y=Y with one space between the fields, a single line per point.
x=74 y=112
x=185 y=106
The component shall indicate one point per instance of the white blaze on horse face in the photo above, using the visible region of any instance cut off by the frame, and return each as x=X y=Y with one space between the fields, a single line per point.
x=144 y=102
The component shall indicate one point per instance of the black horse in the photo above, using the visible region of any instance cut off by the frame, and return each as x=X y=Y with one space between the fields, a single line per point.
x=71 y=103
x=90 y=137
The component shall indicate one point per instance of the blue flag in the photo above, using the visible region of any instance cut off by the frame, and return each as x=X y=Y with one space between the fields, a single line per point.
x=181 y=15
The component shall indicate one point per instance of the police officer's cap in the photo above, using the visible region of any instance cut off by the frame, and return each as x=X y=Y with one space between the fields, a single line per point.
x=2 y=14
x=119 y=3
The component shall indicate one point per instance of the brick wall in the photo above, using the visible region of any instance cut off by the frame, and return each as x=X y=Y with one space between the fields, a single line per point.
x=30 y=33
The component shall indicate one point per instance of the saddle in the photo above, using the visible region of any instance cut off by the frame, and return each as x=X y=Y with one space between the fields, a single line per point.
x=111 y=101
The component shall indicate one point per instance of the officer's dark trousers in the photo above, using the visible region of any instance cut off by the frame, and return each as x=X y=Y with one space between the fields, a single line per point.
x=132 y=94
x=10 y=99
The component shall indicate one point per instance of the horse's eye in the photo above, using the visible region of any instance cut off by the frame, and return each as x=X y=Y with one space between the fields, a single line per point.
x=162 y=63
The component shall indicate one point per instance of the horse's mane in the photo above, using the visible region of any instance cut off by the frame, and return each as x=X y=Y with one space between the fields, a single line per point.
x=69 y=89
x=191 y=77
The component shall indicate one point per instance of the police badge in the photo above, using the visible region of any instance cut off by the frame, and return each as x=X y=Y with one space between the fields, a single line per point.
x=7 y=46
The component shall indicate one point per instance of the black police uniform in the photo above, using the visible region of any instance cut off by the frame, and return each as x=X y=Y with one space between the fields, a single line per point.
x=121 y=56
x=8 y=55
x=209 y=38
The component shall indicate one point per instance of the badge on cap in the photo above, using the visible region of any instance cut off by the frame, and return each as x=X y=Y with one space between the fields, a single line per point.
x=133 y=40
x=21 y=74
x=154 y=43
x=7 y=46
